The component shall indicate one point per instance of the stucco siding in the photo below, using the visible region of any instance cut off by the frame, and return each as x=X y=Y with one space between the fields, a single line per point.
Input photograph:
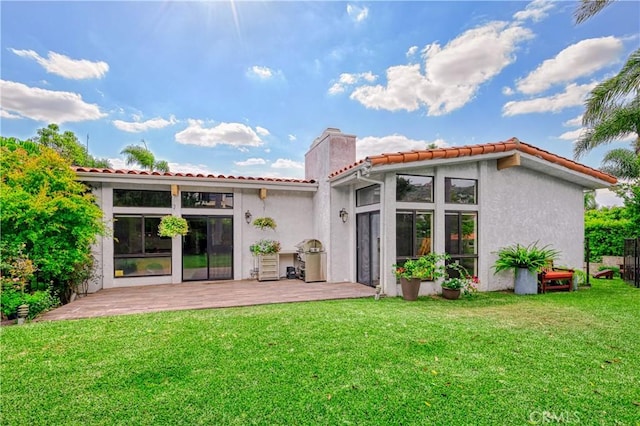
x=522 y=206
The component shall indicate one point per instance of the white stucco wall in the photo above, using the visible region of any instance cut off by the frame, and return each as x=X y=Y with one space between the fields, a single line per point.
x=523 y=206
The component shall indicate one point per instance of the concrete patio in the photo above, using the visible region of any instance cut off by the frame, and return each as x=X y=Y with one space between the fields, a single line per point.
x=202 y=295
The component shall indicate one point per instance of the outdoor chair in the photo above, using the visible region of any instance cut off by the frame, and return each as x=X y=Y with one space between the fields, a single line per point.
x=551 y=278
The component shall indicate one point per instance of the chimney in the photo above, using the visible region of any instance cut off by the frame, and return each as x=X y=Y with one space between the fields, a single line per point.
x=330 y=152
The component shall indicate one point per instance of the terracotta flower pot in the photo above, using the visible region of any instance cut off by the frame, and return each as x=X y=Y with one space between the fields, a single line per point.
x=410 y=288
x=450 y=293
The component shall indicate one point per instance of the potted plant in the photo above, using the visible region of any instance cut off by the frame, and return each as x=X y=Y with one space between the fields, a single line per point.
x=264 y=222
x=171 y=226
x=266 y=251
x=525 y=261
x=413 y=271
x=265 y=246
x=453 y=287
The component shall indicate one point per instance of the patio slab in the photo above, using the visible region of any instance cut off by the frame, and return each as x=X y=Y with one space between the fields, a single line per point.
x=202 y=295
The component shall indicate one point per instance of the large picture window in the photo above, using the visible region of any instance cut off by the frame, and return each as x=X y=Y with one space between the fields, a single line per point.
x=461 y=230
x=460 y=191
x=140 y=198
x=413 y=188
x=138 y=250
x=413 y=234
x=211 y=200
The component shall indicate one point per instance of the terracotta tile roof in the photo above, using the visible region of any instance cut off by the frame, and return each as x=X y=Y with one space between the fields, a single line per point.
x=179 y=175
x=512 y=144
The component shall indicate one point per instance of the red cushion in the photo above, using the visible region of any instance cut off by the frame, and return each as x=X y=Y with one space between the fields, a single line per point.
x=554 y=275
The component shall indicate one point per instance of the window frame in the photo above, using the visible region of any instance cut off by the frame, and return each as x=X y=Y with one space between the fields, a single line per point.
x=414 y=246
x=226 y=195
x=364 y=190
x=448 y=186
x=117 y=191
x=431 y=194
x=460 y=256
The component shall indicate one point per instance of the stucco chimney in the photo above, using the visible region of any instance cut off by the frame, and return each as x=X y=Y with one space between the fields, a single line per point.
x=330 y=152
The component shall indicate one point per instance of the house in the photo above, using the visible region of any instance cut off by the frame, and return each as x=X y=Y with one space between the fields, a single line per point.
x=466 y=201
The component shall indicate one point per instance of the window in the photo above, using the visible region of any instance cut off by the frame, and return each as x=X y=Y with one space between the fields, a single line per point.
x=368 y=195
x=212 y=200
x=461 y=230
x=413 y=234
x=412 y=188
x=139 y=198
x=460 y=191
x=138 y=250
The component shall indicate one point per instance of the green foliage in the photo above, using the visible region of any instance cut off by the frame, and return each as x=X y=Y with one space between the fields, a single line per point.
x=428 y=267
x=68 y=146
x=630 y=193
x=45 y=208
x=264 y=223
x=530 y=257
x=171 y=226
x=39 y=301
x=265 y=246
x=606 y=229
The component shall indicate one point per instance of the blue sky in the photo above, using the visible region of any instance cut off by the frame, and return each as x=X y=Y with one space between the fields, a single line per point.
x=243 y=88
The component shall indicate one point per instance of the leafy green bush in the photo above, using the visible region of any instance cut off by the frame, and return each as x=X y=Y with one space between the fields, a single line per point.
x=39 y=301
x=45 y=208
x=606 y=230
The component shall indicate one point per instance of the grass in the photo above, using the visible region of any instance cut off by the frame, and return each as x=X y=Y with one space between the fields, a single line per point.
x=495 y=359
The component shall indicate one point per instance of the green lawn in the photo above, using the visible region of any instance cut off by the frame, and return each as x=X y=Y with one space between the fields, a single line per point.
x=497 y=359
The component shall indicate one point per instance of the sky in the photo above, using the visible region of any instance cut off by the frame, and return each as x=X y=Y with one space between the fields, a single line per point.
x=243 y=88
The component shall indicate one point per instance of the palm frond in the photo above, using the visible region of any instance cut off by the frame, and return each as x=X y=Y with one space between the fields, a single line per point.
x=161 y=166
x=141 y=156
x=589 y=8
x=622 y=163
x=618 y=123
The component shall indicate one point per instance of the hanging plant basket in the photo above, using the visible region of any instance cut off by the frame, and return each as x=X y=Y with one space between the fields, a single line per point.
x=264 y=222
x=171 y=226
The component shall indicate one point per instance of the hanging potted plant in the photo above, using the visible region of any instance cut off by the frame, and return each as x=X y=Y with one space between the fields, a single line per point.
x=412 y=272
x=525 y=261
x=264 y=223
x=171 y=226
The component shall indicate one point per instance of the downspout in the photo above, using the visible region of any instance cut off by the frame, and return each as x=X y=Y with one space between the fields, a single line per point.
x=383 y=232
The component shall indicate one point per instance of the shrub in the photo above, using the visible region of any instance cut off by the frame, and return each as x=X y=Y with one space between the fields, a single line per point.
x=606 y=230
x=530 y=257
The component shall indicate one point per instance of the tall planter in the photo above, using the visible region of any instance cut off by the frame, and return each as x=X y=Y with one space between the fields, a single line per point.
x=410 y=288
x=526 y=282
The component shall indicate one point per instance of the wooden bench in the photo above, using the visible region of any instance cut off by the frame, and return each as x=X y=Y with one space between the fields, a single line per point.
x=555 y=279
x=605 y=273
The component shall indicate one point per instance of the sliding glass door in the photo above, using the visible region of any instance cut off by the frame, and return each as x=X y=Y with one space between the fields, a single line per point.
x=207 y=250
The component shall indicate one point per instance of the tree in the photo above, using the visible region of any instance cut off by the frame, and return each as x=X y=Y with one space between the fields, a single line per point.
x=613 y=109
x=143 y=157
x=68 y=146
x=48 y=212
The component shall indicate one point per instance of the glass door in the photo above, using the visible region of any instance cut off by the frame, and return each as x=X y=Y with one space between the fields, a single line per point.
x=207 y=250
x=368 y=248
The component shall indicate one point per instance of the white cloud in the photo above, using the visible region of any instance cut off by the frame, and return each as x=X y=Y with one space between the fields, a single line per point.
x=507 y=91
x=372 y=145
x=46 y=105
x=142 y=126
x=348 y=79
x=250 y=162
x=536 y=11
x=263 y=73
x=7 y=114
x=357 y=13
x=234 y=134
x=64 y=66
x=262 y=131
x=573 y=95
x=453 y=73
x=282 y=163
x=574 y=122
x=578 y=60
x=412 y=51
x=292 y=138
x=572 y=135
x=606 y=197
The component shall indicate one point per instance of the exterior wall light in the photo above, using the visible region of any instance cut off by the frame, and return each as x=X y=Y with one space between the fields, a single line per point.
x=247 y=217
x=344 y=215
